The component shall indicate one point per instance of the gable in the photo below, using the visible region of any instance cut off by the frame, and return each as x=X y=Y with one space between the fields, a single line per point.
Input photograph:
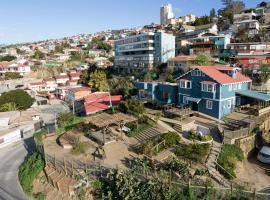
x=196 y=75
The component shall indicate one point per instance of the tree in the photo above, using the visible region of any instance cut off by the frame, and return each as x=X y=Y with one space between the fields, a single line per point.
x=8 y=58
x=132 y=106
x=202 y=21
x=12 y=75
x=38 y=55
x=19 y=97
x=85 y=76
x=147 y=77
x=123 y=86
x=212 y=13
x=98 y=81
x=7 y=107
x=202 y=60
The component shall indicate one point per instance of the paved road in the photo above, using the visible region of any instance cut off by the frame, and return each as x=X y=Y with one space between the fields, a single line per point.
x=11 y=158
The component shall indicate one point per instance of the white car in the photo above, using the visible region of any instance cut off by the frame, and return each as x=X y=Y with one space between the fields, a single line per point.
x=264 y=155
x=124 y=129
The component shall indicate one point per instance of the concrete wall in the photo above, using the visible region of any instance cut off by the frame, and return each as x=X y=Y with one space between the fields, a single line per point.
x=247 y=144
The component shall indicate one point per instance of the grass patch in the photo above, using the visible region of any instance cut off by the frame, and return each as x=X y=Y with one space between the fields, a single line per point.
x=79 y=148
x=40 y=196
x=29 y=170
x=38 y=136
x=171 y=139
x=194 y=152
x=228 y=158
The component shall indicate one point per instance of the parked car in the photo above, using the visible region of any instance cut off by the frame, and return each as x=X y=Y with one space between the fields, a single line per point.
x=124 y=129
x=264 y=155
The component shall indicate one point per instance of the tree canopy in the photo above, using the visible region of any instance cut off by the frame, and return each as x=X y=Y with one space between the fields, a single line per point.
x=19 y=97
x=38 y=55
x=8 y=58
x=202 y=60
x=98 y=81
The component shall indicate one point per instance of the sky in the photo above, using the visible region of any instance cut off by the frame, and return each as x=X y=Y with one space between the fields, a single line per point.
x=32 y=20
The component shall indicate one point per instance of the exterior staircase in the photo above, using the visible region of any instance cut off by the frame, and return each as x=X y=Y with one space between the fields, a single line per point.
x=211 y=164
x=177 y=128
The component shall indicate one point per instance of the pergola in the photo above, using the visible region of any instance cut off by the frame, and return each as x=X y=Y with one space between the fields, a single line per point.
x=104 y=120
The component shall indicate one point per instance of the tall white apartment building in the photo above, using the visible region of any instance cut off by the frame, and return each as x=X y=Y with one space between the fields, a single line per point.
x=166 y=13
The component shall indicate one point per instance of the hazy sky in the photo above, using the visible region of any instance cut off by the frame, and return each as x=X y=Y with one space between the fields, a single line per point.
x=30 y=20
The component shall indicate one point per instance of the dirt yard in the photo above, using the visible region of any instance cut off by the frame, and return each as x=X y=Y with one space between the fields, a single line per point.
x=254 y=173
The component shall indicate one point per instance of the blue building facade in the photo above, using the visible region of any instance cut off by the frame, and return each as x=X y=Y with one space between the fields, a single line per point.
x=207 y=89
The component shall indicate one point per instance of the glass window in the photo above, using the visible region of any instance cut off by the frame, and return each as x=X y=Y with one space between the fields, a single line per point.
x=240 y=86
x=230 y=87
x=209 y=104
x=210 y=88
x=185 y=100
x=229 y=103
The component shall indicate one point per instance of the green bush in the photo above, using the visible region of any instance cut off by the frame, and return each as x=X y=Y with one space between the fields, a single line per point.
x=38 y=136
x=79 y=148
x=40 y=196
x=194 y=152
x=132 y=106
x=29 y=170
x=228 y=158
x=171 y=138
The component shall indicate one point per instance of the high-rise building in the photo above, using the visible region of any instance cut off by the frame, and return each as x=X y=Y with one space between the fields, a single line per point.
x=138 y=53
x=166 y=13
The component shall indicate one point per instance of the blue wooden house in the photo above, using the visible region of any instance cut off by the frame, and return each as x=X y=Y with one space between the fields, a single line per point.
x=212 y=90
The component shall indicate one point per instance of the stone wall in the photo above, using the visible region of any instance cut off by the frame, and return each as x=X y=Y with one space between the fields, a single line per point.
x=247 y=144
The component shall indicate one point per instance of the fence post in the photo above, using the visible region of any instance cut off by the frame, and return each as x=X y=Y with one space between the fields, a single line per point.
x=188 y=184
x=54 y=162
x=65 y=165
x=254 y=194
x=231 y=189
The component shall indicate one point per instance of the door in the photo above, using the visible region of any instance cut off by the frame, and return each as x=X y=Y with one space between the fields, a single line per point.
x=194 y=106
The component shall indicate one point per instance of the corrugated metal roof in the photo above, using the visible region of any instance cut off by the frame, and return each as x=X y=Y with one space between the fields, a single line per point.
x=255 y=95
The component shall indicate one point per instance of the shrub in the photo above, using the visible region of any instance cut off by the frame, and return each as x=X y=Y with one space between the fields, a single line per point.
x=194 y=152
x=228 y=158
x=136 y=130
x=171 y=138
x=79 y=148
x=38 y=136
x=29 y=170
x=40 y=196
x=132 y=106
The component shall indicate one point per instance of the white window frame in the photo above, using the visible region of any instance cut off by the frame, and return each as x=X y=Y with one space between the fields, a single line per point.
x=235 y=86
x=230 y=87
x=229 y=103
x=205 y=87
x=185 y=101
x=184 y=84
x=239 y=86
x=209 y=104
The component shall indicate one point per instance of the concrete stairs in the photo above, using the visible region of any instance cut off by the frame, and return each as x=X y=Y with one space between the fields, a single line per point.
x=211 y=165
x=177 y=128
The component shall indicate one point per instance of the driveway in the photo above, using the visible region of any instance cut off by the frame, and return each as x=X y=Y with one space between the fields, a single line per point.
x=11 y=158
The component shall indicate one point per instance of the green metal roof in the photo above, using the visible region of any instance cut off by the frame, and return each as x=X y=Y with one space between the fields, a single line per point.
x=255 y=95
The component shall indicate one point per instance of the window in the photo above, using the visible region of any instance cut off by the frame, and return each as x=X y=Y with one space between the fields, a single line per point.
x=185 y=101
x=209 y=104
x=185 y=84
x=240 y=86
x=229 y=103
x=196 y=73
x=208 y=87
x=235 y=86
x=230 y=87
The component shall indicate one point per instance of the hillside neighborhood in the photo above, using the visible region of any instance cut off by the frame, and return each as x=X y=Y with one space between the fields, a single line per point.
x=178 y=109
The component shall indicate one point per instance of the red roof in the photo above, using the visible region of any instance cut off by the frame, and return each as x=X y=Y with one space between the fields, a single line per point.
x=102 y=97
x=95 y=107
x=48 y=79
x=215 y=73
x=70 y=81
x=182 y=58
x=61 y=77
x=37 y=83
x=76 y=74
x=77 y=89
